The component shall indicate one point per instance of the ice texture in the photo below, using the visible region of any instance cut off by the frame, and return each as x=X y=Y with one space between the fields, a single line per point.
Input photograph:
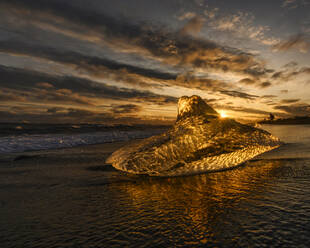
x=200 y=141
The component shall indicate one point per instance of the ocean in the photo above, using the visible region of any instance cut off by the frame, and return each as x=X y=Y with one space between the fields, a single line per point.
x=57 y=191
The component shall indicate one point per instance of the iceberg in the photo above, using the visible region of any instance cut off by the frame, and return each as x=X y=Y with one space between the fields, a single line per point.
x=199 y=141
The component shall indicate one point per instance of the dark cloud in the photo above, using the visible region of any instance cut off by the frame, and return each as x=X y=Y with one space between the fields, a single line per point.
x=247 y=81
x=54 y=110
x=82 y=62
x=265 y=84
x=66 y=115
x=277 y=75
x=268 y=96
x=144 y=38
x=63 y=31
x=284 y=91
x=300 y=109
x=189 y=80
x=305 y=70
x=109 y=69
x=257 y=83
x=290 y=100
x=239 y=94
x=286 y=75
x=6 y=95
x=126 y=108
x=70 y=89
x=298 y=42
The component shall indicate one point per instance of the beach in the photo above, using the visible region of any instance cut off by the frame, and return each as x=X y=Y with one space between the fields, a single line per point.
x=69 y=197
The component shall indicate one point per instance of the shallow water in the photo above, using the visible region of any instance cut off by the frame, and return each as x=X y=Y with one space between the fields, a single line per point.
x=69 y=198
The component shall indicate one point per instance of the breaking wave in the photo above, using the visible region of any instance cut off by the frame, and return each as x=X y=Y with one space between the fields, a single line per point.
x=26 y=142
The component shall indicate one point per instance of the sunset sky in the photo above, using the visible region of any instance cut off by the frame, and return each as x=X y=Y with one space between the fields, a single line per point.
x=128 y=61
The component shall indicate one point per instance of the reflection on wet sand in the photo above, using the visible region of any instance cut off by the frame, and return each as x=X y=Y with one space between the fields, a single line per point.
x=203 y=202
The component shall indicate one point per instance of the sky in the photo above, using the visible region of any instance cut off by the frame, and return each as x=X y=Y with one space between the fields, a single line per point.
x=128 y=61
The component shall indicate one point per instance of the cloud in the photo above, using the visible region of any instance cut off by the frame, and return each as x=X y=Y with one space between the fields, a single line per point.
x=6 y=95
x=268 y=96
x=292 y=4
x=291 y=64
x=189 y=80
x=239 y=94
x=24 y=83
x=193 y=26
x=252 y=111
x=68 y=115
x=241 y=25
x=287 y=3
x=290 y=100
x=299 y=109
x=289 y=74
x=211 y=13
x=90 y=64
x=298 y=42
x=107 y=69
x=186 y=16
x=155 y=42
x=253 y=82
x=247 y=81
x=265 y=84
x=126 y=108
x=45 y=85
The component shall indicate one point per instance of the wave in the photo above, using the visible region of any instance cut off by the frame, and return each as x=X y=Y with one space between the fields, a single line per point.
x=26 y=142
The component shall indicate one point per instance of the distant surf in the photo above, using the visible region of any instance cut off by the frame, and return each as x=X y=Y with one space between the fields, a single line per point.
x=34 y=142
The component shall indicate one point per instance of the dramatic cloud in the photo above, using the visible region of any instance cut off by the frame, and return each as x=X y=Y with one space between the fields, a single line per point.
x=70 y=89
x=160 y=43
x=117 y=60
x=109 y=69
x=83 y=62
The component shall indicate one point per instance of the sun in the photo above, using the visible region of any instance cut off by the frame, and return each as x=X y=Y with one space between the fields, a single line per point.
x=223 y=114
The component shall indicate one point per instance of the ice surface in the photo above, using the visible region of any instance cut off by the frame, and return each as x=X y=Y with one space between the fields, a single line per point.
x=199 y=141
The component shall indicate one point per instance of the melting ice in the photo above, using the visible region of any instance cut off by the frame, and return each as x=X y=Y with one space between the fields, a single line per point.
x=200 y=141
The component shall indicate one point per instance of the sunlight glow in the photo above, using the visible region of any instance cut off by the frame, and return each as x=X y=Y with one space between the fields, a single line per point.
x=223 y=114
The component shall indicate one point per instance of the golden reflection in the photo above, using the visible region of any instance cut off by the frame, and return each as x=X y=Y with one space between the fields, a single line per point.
x=201 y=200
